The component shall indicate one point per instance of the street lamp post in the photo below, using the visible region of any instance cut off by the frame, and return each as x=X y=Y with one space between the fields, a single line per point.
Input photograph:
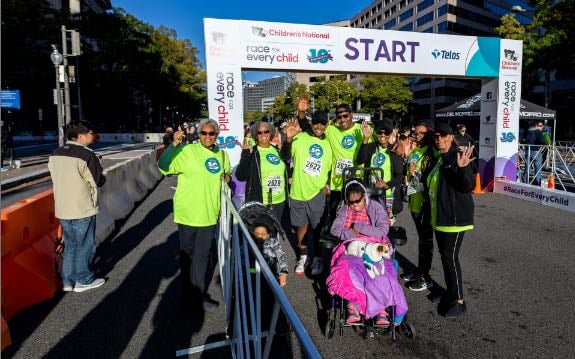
x=57 y=59
x=67 y=110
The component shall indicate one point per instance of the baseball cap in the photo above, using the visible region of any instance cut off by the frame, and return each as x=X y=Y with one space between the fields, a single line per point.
x=319 y=117
x=383 y=125
x=343 y=108
x=443 y=128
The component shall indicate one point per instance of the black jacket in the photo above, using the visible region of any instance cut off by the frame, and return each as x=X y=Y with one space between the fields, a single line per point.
x=249 y=170
x=364 y=156
x=454 y=201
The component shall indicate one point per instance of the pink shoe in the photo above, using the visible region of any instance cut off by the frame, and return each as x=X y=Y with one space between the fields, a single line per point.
x=352 y=314
x=382 y=318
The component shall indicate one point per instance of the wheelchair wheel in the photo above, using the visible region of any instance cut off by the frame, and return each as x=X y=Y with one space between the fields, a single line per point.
x=329 y=331
x=406 y=329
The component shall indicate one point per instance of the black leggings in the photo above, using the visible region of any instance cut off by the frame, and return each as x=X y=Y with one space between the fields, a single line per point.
x=425 y=234
x=449 y=245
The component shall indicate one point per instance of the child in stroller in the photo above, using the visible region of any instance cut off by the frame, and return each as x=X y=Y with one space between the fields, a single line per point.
x=358 y=217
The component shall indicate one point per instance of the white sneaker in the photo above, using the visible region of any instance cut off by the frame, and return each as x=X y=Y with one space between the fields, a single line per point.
x=98 y=282
x=300 y=265
x=67 y=288
x=317 y=266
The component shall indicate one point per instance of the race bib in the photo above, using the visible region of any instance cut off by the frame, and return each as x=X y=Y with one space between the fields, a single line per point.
x=312 y=166
x=274 y=183
x=341 y=164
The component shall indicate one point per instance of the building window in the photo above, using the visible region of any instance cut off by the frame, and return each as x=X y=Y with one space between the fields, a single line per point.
x=388 y=25
x=442 y=11
x=406 y=27
x=406 y=15
x=424 y=5
x=425 y=19
x=430 y=29
x=442 y=27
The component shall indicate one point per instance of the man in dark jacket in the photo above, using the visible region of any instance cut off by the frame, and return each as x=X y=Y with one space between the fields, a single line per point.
x=535 y=139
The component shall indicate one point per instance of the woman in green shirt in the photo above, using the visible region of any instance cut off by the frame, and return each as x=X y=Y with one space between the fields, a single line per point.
x=200 y=168
x=263 y=170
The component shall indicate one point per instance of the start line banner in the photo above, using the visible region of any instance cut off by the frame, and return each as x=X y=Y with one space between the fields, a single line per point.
x=547 y=197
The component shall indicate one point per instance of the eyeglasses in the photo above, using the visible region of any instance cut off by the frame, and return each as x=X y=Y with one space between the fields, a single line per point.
x=206 y=133
x=353 y=203
x=442 y=135
x=264 y=132
x=383 y=132
x=342 y=116
x=419 y=133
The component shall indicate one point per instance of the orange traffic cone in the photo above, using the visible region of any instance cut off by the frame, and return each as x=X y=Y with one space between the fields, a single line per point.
x=551 y=182
x=477 y=189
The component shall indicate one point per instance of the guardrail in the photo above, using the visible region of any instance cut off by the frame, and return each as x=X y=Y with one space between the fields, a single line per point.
x=242 y=301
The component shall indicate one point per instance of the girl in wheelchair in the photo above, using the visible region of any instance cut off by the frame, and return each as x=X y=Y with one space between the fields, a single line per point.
x=369 y=285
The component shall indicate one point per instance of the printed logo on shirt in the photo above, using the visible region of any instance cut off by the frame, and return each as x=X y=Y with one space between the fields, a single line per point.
x=212 y=165
x=414 y=158
x=378 y=160
x=315 y=151
x=347 y=142
x=273 y=159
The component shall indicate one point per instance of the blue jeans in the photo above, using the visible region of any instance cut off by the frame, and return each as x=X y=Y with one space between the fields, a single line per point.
x=79 y=249
x=535 y=158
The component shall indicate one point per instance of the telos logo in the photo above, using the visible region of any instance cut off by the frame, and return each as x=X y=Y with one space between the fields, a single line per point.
x=445 y=54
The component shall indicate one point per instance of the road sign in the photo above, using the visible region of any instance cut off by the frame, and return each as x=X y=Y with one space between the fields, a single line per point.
x=10 y=99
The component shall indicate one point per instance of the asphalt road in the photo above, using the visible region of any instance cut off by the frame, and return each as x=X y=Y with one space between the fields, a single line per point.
x=517 y=272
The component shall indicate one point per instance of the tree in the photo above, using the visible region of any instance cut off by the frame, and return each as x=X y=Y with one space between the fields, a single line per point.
x=330 y=93
x=548 y=42
x=385 y=95
x=254 y=116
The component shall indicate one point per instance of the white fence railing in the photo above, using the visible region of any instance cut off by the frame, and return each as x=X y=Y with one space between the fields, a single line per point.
x=243 y=301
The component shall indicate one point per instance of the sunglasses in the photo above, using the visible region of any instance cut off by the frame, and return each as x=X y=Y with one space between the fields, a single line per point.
x=383 y=132
x=342 y=116
x=264 y=132
x=206 y=133
x=353 y=203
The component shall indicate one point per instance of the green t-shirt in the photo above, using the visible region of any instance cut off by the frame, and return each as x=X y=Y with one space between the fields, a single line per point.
x=432 y=182
x=312 y=158
x=381 y=159
x=197 y=197
x=345 y=146
x=273 y=175
x=415 y=199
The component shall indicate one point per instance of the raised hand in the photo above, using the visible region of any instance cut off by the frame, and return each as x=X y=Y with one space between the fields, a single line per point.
x=366 y=129
x=464 y=158
x=246 y=145
x=179 y=136
x=302 y=104
x=292 y=128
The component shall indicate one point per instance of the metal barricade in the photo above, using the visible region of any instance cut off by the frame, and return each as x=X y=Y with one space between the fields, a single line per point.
x=242 y=301
x=559 y=162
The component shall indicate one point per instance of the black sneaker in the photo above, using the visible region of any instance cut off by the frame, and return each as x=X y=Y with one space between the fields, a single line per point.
x=408 y=277
x=420 y=284
x=455 y=310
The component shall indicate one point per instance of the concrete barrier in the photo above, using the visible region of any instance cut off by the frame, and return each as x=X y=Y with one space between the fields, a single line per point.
x=130 y=137
x=30 y=229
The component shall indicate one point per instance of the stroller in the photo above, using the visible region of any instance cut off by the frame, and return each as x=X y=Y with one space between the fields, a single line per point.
x=397 y=237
